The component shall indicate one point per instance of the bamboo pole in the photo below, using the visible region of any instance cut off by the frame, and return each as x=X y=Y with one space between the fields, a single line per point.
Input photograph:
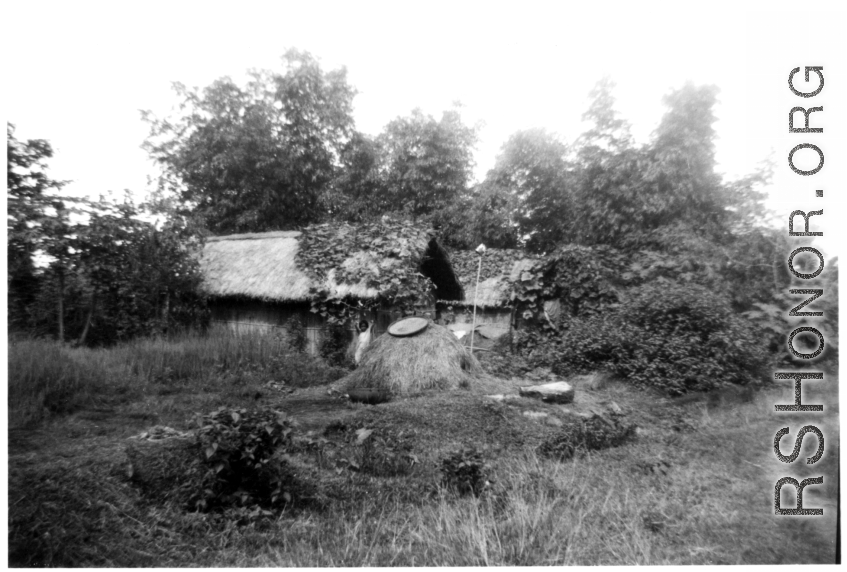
x=481 y=250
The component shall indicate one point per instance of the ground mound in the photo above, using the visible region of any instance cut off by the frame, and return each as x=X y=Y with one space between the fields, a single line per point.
x=458 y=419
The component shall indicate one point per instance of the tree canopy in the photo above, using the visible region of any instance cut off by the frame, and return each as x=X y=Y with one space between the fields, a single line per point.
x=256 y=157
x=30 y=195
x=91 y=271
x=427 y=164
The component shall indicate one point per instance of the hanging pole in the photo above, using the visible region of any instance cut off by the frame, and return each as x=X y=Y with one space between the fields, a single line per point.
x=481 y=250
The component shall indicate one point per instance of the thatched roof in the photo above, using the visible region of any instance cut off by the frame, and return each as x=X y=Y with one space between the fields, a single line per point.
x=499 y=269
x=266 y=266
x=431 y=359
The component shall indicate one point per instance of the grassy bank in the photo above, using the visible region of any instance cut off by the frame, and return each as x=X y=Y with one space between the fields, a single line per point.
x=694 y=487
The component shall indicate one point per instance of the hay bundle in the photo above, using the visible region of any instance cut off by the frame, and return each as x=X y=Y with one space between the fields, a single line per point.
x=432 y=359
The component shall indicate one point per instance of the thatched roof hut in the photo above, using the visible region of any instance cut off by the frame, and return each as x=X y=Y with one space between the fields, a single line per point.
x=260 y=266
x=431 y=359
x=269 y=266
x=262 y=280
x=500 y=267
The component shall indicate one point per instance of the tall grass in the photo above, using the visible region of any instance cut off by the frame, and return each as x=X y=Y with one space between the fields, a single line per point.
x=46 y=377
x=192 y=358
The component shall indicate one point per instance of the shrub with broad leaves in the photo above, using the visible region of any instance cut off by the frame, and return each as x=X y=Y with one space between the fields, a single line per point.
x=376 y=453
x=587 y=435
x=465 y=472
x=244 y=459
x=677 y=337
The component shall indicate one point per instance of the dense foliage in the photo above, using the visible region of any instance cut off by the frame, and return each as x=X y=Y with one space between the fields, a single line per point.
x=673 y=336
x=244 y=458
x=465 y=471
x=658 y=319
x=534 y=170
x=93 y=271
x=386 y=258
x=256 y=157
x=597 y=432
x=30 y=203
x=427 y=162
x=483 y=215
x=335 y=346
x=585 y=280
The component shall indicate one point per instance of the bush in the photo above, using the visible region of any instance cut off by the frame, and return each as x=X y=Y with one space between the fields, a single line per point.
x=591 y=434
x=296 y=334
x=244 y=455
x=677 y=337
x=465 y=471
x=590 y=344
x=378 y=454
x=335 y=345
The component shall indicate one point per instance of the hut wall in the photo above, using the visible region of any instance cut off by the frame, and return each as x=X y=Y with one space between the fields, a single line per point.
x=254 y=315
x=268 y=317
x=484 y=315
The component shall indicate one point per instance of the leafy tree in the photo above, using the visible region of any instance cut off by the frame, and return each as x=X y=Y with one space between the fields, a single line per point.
x=104 y=274
x=683 y=173
x=426 y=164
x=745 y=199
x=657 y=219
x=608 y=134
x=609 y=207
x=359 y=192
x=257 y=157
x=533 y=170
x=485 y=214
x=124 y=277
x=630 y=197
x=139 y=276
x=36 y=219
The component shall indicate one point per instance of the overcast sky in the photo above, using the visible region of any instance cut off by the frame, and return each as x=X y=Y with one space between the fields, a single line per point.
x=77 y=73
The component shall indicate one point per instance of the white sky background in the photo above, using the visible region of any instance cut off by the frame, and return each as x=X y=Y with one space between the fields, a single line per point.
x=77 y=73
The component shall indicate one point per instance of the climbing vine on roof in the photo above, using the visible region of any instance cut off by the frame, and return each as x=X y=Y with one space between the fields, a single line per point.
x=584 y=279
x=384 y=256
x=495 y=262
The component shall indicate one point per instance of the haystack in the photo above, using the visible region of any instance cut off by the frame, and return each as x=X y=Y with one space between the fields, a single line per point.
x=431 y=359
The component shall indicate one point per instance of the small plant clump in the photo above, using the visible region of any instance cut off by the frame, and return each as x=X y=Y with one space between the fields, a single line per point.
x=296 y=334
x=244 y=455
x=595 y=433
x=465 y=472
x=375 y=454
x=335 y=345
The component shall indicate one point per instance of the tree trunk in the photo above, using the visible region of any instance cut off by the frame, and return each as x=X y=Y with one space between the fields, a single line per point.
x=165 y=314
x=60 y=306
x=512 y=328
x=777 y=263
x=91 y=307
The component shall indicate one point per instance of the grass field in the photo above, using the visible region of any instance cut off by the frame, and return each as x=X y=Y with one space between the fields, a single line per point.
x=695 y=485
